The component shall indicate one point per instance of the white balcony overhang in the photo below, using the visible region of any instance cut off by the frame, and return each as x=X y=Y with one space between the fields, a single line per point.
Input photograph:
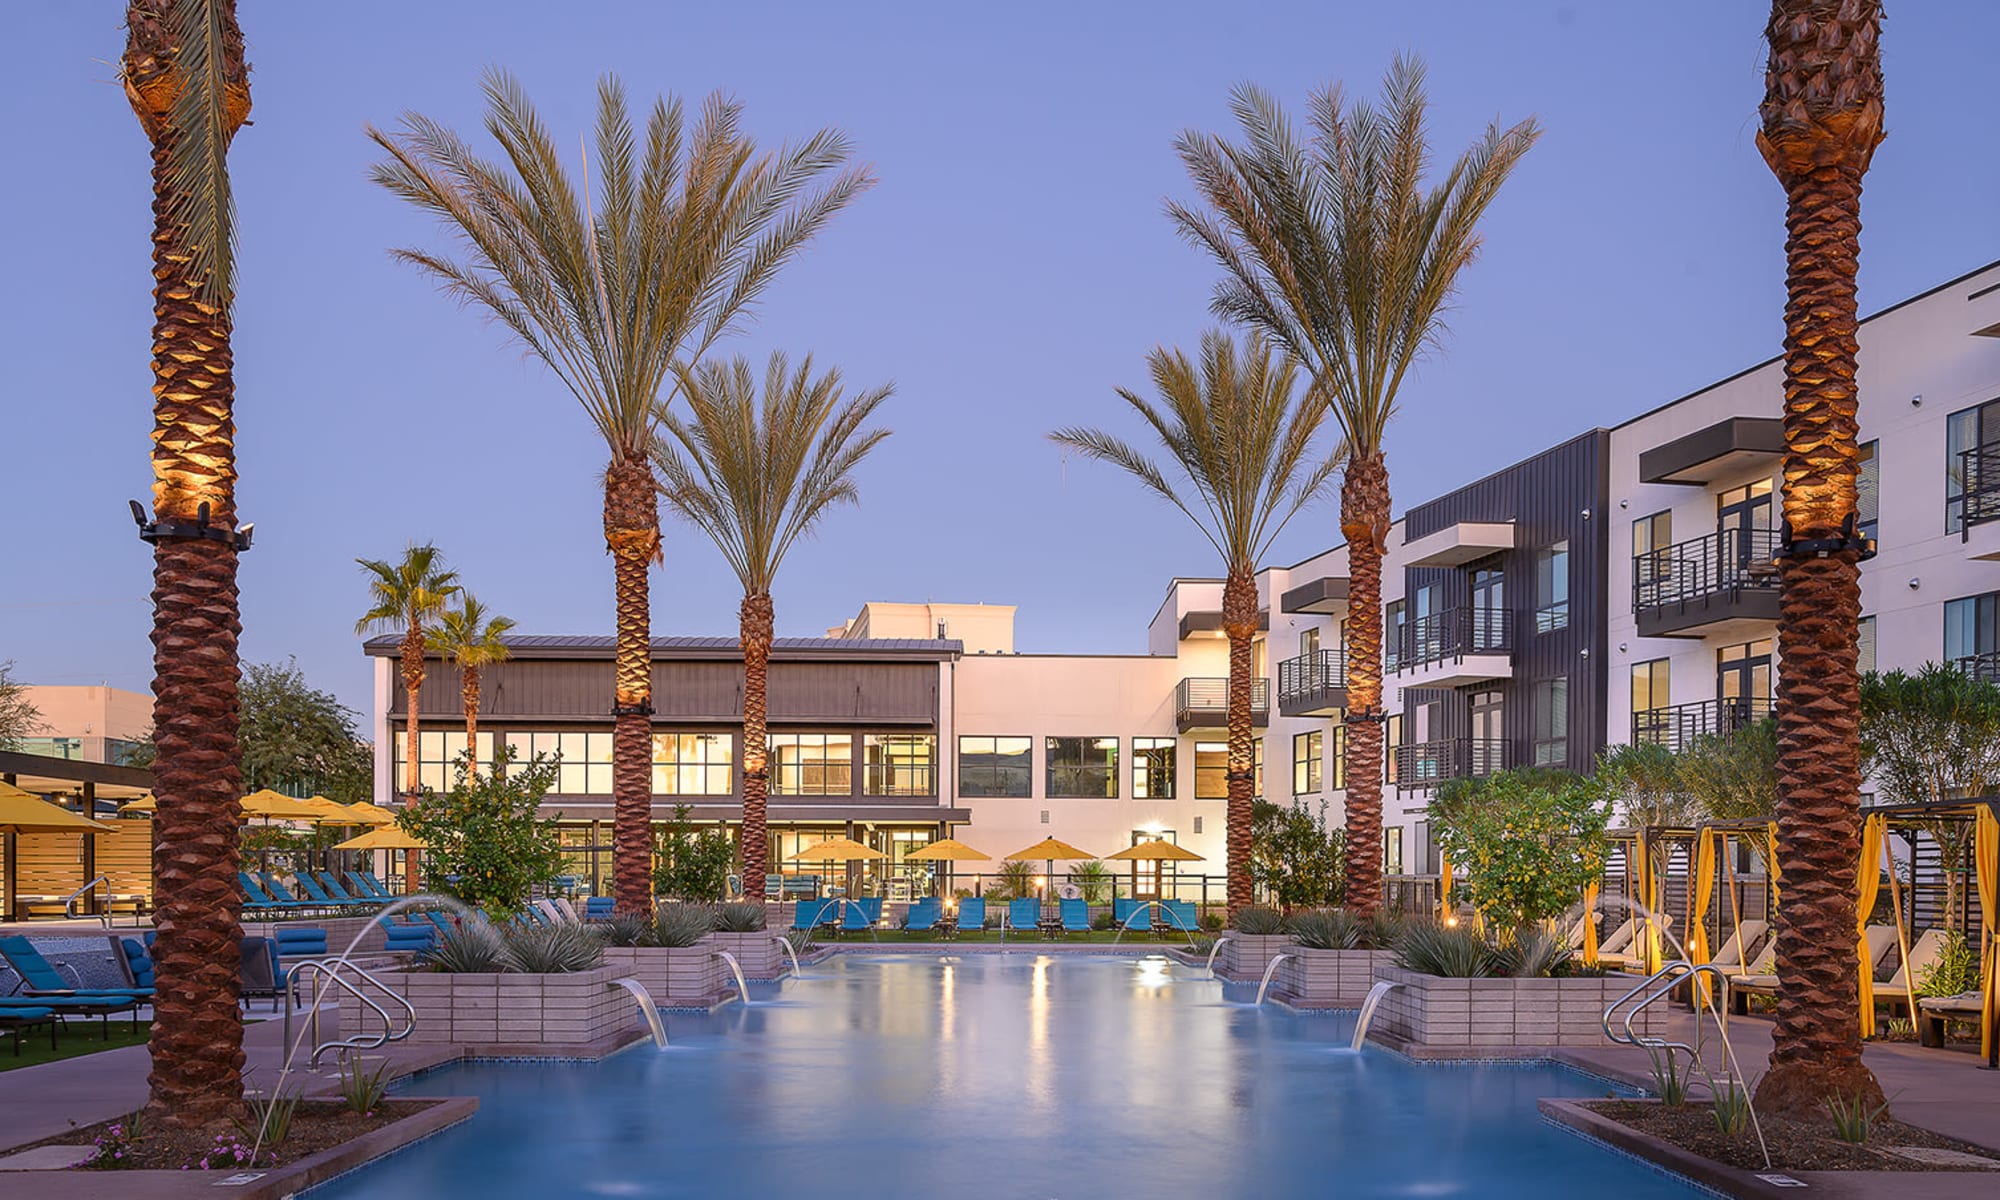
x=1982 y=541
x=1456 y=545
x=1457 y=672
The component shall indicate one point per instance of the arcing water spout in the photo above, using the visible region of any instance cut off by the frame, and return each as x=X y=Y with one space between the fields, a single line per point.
x=1374 y=998
x=647 y=1008
x=790 y=953
x=1269 y=970
x=1215 y=950
x=736 y=969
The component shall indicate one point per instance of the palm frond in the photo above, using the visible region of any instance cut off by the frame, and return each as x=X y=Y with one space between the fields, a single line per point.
x=407 y=592
x=200 y=201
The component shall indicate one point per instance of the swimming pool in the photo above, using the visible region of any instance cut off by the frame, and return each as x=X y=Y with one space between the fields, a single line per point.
x=999 y=1077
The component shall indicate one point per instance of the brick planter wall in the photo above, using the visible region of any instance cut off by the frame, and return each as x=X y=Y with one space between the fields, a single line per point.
x=757 y=953
x=1466 y=1015
x=1245 y=956
x=507 y=1009
x=690 y=975
x=1328 y=978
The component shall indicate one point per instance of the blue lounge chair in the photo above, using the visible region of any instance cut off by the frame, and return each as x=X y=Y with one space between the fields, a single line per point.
x=135 y=961
x=972 y=913
x=599 y=908
x=1139 y=914
x=854 y=918
x=280 y=893
x=17 y=1019
x=810 y=914
x=375 y=886
x=318 y=894
x=923 y=915
x=40 y=978
x=1179 y=915
x=261 y=973
x=872 y=905
x=439 y=919
x=35 y=1010
x=362 y=888
x=330 y=883
x=1075 y=916
x=412 y=936
x=1025 y=913
x=300 y=941
x=831 y=913
x=253 y=896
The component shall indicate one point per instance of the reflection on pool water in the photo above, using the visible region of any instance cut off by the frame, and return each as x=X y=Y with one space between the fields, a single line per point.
x=1030 y=1076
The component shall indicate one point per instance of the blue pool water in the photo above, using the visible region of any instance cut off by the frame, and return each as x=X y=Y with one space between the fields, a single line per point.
x=1003 y=1077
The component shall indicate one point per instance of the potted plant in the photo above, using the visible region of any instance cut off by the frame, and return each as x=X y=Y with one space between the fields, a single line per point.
x=668 y=955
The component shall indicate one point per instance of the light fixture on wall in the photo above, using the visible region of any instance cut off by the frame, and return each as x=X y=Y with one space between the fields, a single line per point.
x=1915 y=583
x=1917 y=401
x=1624 y=504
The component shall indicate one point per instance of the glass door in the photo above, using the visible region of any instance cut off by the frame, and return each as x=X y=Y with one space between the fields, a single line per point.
x=1489 y=608
x=1743 y=683
x=1742 y=517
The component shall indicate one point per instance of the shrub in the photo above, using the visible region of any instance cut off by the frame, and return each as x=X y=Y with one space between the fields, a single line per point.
x=1527 y=843
x=741 y=917
x=1386 y=928
x=1327 y=929
x=1101 y=921
x=1670 y=1076
x=554 y=949
x=682 y=924
x=691 y=865
x=471 y=949
x=1533 y=953
x=115 y=1146
x=1450 y=952
x=363 y=1091
x=1731 y=1109
x=1212 y=922
x=1258 y=919
x=626 y=929
x=486 y=842
x=269 y=1119
x=1956 y=969
x=1294 y=855
x=1853 y=1120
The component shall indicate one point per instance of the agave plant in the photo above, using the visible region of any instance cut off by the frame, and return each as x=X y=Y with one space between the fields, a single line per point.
x=626 y=929
x=741 y=917
x=1258 y=920
x=682 y=924
x=554 y=949
x=1327 y=929
x=471 y=949
x=1447 y=951
x=1533 y=953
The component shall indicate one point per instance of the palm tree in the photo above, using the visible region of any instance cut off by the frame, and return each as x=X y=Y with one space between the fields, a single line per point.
x=186 y=78
x=1335 y=248
x=1241 y=448
x=611 y=291
x=1822 y=119
x=405 y=595
x=756 y=476
x=474 y=639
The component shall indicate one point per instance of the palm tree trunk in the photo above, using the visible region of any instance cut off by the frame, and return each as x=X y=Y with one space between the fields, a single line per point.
x=197 y=1036
x=1239 y=623
x=757 y=624
x=413 y=684
x=632 y=534
x=1822 y=120
x=1364 y=522
x=469 y=692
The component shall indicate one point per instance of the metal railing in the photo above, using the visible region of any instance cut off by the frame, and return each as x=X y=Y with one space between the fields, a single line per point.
x=1979 y=484
x=334 y=972
x=1728 y=560
x=1425 y=764
x=103 y=914
x=1677 y=725
x=1453 y=633
x=1210 y=698
x=1311 y=675
x=1984 y=668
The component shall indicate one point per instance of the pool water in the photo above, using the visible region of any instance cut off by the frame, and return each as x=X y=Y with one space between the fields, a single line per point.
x=1017 y=1076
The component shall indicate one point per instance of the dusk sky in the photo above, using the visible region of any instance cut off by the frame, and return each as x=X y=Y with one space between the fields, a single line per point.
x=1011 y=268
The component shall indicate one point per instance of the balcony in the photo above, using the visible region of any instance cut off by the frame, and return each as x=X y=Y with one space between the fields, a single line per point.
x=1983 y=667
x=1723 y=584
x=1979 y=482
x=1327 y=594
x=1204 y=704
x=1458 y=544
x=1313 y=685
x=1678 y=725
x=1427 y=764
x=1726 y=449
x=1457 y=647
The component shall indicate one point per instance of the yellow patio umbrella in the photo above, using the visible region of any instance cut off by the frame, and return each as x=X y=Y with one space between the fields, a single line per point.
x=144 y=806
x=331 y=812
x=1048 y=850
x=366 y=813
x=948 y=850
x=278 y=806
x=840 y=849
x=389 y=837
x=25 y=812
x=1157 y=850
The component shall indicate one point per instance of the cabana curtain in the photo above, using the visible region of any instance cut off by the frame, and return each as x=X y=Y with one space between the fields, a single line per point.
x=1704 y=885
x=1986 y=857
x=1868 y=881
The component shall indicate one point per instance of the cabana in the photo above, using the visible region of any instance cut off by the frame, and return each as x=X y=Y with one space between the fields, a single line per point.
x=1695 y=878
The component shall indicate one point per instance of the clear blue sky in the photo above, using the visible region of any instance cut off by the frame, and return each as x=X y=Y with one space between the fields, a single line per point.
x=1012 y=267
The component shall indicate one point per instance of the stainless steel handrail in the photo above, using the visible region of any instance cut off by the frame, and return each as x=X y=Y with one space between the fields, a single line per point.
x=329 y=971
x=69 y=901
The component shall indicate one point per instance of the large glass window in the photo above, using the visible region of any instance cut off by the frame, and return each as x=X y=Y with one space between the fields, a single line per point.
x=1552 y=588
x=1392 y=850
x=1309 y=641
x=1972 y=429
x=1652 y=537
x=995 y=766
x=1307 y=756
x=1152 y=768
x=1083 y=768
x=1868 y=490
x=1971 y=627
x=812 y=764
x=1650 y=682
x=693 y=764
x=1211 y=770
x=1339 y=780
x=1551 y=704
x=900 y=764
x=437 y=756
x=585 y=769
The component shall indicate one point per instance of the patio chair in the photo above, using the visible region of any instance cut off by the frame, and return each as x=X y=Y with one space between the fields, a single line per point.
x=1629 y=956
x=18 y=1019
x=831 y=911
x=1130 y=914
x=1618 y=938
x=314 y=892
x=1762 y=977
x=854 y=918
x=40 y=978
x=807 y=914
x=1923 y=956
x=359 y=887
x=330 y=884
x=599 y=908
x=923 y=915
x=1573 y=937
x=439 y=919
x=278 y=892
x=1933 y=1012
x=71 y=1005
x=972 y=913
x=133 y=959
x=299 y=941
x=1024 y=913
x=872 y=905
x=1075 y=916
x=379 y=889
x=254 y=898
x=261 y=975
x=412 y=937
x=1743 y=944
x=1179 y=916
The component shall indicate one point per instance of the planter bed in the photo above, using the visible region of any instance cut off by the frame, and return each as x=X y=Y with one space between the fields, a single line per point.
x=675 y=976
x=1328 y=978
x=757 y=953
x=1428 y=1016
x=573 y=1010
x=1246 y=956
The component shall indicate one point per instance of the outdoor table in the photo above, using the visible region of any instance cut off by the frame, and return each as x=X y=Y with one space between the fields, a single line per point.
x=1050 y=927
x=946 y=926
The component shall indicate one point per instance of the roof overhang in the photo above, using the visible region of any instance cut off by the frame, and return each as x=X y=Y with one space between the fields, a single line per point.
x=1460 y=543
x=45 y=773
x=1209 y=623
x=1327 y=594
x=1725 y=450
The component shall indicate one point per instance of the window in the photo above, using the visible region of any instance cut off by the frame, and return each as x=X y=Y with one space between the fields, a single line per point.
x=1152 y=768
x=1649 y=697
x=812 y=764
x=1309 y=642
x=1552 y=588
x=437 y=755
x=1083 y=768
x=1865 y=646
x=1652 y=541
x=1392 y=850
x=900 y=764
x=1972 y=630
x=995 y=766
x=585 y=769
x=1257 y=767
x=1211 y=770
x=1970 y=438
x=1868 y=490
x=1306 y=759
x=1339 y=757
x=1392 y=737
x=693 y=764
x=1392 y=636
x=1551 y=722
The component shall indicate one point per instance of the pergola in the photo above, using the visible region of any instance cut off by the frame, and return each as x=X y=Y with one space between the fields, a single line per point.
x=96 y=790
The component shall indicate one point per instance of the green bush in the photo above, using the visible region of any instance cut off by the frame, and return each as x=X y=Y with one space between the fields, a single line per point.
x=1101 y=921
x=625 y=929
x=474 y=948
x=554 y=949
x=681 y=924
x=1533 y=953
x=740 y=917
x=1258 y=919
x=1327 y=929
x=1295 y=857
x=689 y=864
x=1447 y=951
x=1524 y=843
x=486 y=843
x=1956 y=969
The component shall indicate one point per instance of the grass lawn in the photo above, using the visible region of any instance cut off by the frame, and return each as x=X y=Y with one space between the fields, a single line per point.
x=888 y=936
x=78 y=1037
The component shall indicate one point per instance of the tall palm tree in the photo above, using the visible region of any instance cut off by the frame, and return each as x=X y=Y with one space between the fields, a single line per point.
x=1241 y=450
x=611 y=290
x=1822 y=119
x=186 y=78
x=756 y=475
x=1337 y=249
x=407 y=595
x=474 y=639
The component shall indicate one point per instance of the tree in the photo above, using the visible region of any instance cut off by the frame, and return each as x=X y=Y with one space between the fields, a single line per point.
x=19 y=718
x=1821 y=121
x=296 y=738
x=408 y=594
x=612 y=288
x=1643 y=781
x=690 y=864
x=1242 y=450
x=1525 y=844
x=474 y=639
x=1733 y=776
x=187 y=80
x=1295 y=859
x=1335 y=248
x=756 y=477
x=1928 y=737
x=484 y=840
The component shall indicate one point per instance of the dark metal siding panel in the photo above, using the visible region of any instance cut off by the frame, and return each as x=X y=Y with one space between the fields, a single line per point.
x=1545 y=497
x=896 y=693
x=700 y=691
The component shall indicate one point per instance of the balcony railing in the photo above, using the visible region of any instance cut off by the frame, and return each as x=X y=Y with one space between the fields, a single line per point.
x=1426 y=764
x=1983 y=667
x=1453 y=633
x=1678 y=725
x=1728 y=560
x=1311 y=679
x=1979 y=484
x=1204 y=703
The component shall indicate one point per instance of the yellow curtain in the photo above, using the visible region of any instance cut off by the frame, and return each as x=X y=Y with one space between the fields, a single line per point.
x=1650 y=947
x=1590 y=923
x=1771 y=866
x=1704 y=884
x=1986 y=859
x=1868 y=881
x=1444 y=887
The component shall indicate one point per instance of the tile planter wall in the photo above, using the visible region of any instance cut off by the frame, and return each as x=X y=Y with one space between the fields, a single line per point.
x=1328 y=978
x=572 y=1010
x=757 y=953
x=672 y=974
x=1246 y=955
x=1466 y=1015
